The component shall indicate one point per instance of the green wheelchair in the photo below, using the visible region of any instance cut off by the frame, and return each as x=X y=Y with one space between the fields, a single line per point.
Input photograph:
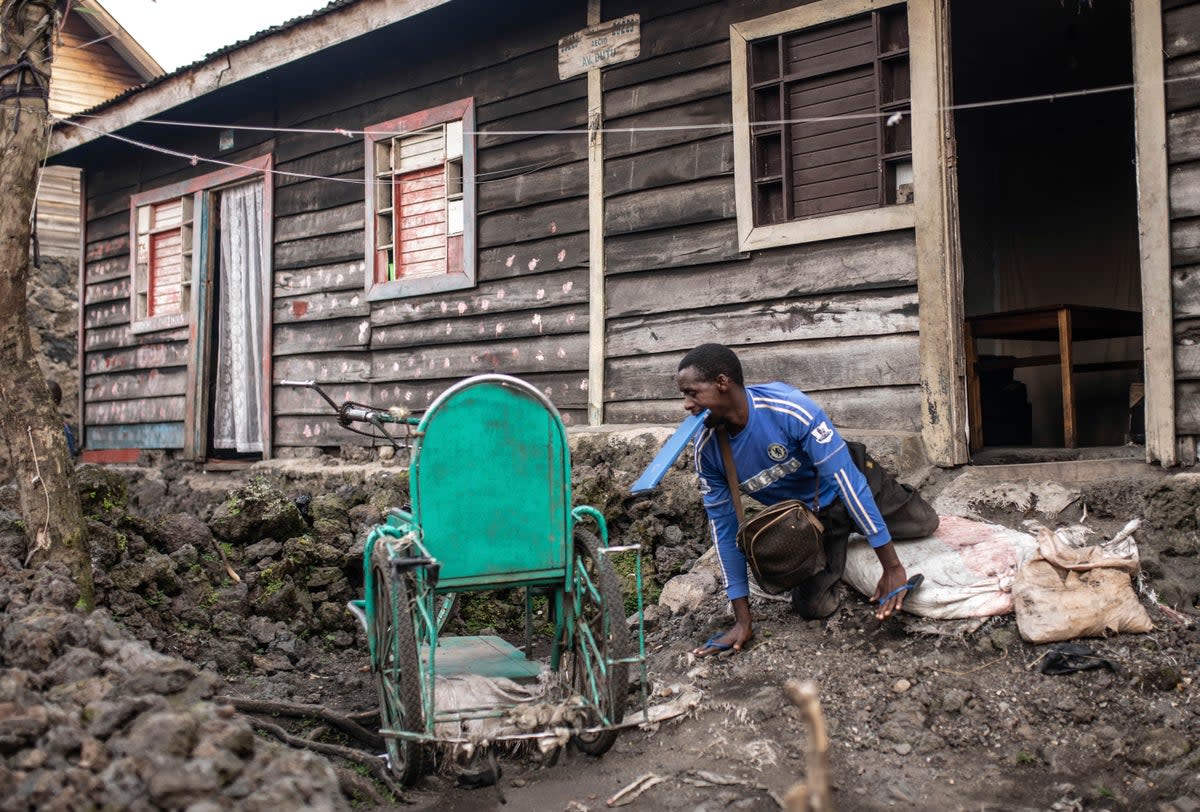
x=490 y=486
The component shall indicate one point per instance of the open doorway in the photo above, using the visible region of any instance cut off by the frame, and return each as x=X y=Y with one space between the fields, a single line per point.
x=1048 y=221
x=235 y=362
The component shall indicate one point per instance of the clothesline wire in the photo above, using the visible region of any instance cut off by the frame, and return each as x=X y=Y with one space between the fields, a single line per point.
x=196 y=159
x=581 y=130
x=519 y=171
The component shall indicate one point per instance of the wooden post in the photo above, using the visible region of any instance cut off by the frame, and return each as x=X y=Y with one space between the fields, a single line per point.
x=974 y=396
x=1154 y=230
x=596 y=298
x=1066 y=362
x=944 y=413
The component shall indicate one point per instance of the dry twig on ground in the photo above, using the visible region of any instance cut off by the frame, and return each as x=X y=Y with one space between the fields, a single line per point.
x=346 y=724
x=373 y=763
x=812 y=794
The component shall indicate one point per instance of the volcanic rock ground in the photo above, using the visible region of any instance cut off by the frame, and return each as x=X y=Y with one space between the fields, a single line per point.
x=920 y=715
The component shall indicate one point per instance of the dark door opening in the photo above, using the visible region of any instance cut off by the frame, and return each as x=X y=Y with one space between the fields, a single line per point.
x=235 y=363
x=1048 y=220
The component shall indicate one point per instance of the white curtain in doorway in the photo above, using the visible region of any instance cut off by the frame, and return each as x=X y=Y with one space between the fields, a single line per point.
x=237 y=398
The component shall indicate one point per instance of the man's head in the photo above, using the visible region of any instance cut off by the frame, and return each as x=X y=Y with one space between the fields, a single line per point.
x=710 y=377
x=711 y=360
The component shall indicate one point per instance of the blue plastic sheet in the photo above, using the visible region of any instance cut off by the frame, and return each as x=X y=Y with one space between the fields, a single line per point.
x=662 y=462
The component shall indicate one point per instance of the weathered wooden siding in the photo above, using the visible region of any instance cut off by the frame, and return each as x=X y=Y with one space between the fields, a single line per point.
x=134 y=385
x=58 y=211
x=837 y=318
x=1181 y=47
x=86 y=72
x=526 y=316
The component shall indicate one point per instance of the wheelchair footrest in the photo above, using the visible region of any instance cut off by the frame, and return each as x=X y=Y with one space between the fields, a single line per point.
x=487 y=656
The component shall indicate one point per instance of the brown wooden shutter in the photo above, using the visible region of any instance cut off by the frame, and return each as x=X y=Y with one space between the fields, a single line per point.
x=831 y=72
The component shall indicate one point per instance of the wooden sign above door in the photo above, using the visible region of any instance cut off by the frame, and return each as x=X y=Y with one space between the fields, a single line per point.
x=596 y=46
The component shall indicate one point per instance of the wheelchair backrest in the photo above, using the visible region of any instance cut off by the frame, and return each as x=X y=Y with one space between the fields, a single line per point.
x=490 y=482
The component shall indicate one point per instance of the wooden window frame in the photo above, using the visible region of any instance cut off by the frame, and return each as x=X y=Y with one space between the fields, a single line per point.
x=819 y=227
x=462 y=110
x=193 y=190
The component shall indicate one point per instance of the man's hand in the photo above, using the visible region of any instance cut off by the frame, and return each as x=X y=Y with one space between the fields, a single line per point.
x=738 y=636
x=893 y=578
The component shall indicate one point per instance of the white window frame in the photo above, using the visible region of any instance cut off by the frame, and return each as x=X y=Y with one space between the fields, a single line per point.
x=460 y=115
x=830 y=226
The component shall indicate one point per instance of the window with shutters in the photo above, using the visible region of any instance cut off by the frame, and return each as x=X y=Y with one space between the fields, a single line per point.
x=823 y=126
x=162 y=266
x=168 y=245
x=421 y=199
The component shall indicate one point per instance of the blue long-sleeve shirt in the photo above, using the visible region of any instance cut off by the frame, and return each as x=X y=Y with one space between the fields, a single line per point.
x=788 y=449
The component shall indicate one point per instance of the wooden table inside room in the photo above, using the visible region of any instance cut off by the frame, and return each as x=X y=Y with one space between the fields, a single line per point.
x=1064 y=324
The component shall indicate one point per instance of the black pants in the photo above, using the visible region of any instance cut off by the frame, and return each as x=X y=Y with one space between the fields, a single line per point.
x=905 y=513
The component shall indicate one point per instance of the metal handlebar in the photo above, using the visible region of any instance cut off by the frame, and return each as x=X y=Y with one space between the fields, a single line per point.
x=350 y=412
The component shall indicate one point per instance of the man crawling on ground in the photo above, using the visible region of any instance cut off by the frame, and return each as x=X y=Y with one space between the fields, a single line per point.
x=785 y=447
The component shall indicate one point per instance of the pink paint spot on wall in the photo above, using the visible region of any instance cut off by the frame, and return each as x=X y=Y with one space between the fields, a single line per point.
x=299 y=308
x=562 y=255
x=553 y=227
x=533 y=263
x=509 y=262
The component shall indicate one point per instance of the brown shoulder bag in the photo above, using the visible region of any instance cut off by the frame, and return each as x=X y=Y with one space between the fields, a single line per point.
x=783 y=543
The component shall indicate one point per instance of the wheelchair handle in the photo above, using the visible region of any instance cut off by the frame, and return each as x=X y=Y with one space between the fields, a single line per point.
x=405 y=564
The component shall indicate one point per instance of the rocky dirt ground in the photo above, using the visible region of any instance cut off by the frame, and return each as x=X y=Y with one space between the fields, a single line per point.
x=133 y=707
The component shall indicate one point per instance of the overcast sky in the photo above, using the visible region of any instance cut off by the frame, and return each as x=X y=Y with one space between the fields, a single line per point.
x=178 y=32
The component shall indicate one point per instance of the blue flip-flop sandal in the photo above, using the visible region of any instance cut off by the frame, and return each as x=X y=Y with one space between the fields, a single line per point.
x=714 y=643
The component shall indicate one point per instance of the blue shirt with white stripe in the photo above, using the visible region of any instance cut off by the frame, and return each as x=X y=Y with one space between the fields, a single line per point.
x=787 y=450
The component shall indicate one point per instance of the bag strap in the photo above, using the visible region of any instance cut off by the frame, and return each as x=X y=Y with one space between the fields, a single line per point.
x=735 y=493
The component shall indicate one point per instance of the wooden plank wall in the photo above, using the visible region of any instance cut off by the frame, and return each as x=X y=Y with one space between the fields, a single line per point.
x=527 y=315
x=58 y=211
x=837 y=318
x=86 y=72
x=134 y=385
x=1181 y=46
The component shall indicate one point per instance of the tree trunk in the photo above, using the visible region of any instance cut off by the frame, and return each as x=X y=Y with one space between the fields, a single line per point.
x=31 y=427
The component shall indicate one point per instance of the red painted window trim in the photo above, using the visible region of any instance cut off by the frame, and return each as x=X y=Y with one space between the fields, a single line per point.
x=459 y=110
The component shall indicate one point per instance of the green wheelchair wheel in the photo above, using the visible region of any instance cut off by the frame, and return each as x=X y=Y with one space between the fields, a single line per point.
x=599 y=637
x=397 y=669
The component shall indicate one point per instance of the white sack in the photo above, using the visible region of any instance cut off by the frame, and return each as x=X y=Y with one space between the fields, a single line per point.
x=969 y=568
x=1066 y=592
